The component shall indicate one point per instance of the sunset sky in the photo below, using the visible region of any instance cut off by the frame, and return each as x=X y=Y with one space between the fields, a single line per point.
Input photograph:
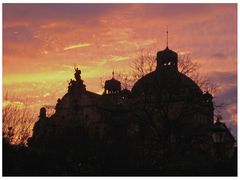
x=42 y=43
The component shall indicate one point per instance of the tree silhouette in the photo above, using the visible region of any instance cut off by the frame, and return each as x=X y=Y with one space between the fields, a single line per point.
x=17 y=121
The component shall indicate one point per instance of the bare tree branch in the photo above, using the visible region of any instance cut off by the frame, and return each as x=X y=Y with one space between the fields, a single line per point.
x=17 y=121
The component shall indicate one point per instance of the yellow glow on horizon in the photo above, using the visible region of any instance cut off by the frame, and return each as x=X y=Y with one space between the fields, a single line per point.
x=59 y=75
x=37 y=77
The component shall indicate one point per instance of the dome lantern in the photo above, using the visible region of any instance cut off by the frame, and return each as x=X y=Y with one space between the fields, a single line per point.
x=112 y=86
x=167 y=59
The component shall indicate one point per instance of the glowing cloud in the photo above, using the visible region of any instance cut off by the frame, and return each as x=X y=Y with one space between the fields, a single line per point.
x=119 y=58
x=76 y=46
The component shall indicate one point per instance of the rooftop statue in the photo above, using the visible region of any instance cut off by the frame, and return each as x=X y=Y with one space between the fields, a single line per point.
x=77 y=74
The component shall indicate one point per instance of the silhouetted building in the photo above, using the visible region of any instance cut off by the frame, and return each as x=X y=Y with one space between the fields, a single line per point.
x=164 y=106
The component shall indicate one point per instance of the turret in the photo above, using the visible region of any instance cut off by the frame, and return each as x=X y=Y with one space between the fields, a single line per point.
x=112 y=86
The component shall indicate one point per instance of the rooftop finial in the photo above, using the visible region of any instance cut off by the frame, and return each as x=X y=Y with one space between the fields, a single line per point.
x=113 y=74
x=167 y=36
x=219 y=118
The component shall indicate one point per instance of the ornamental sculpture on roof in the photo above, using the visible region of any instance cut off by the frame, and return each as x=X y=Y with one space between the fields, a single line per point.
x=77 y=74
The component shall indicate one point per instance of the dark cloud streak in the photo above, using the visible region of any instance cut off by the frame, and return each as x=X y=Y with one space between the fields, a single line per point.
x=68 y=12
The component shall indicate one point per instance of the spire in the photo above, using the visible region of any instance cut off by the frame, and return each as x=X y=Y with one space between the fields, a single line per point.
x=167 y=36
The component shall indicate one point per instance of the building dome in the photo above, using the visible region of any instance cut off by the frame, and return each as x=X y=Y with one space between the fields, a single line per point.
x=155 y=82
x=166 y=77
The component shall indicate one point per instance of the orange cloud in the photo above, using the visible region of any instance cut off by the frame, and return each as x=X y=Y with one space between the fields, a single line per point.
x=76 y=46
